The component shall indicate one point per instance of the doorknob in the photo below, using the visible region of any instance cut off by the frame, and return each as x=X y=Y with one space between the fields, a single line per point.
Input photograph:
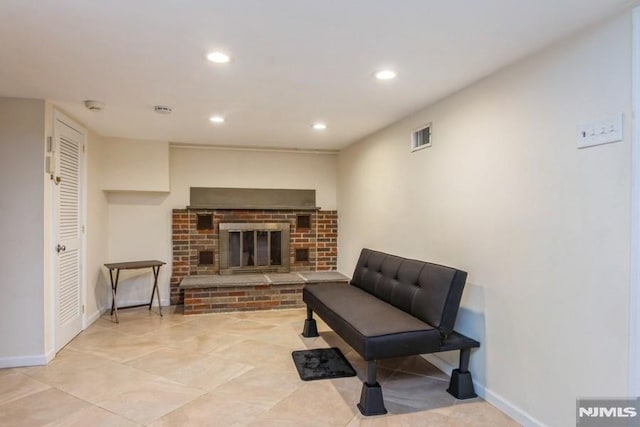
x=61 y=248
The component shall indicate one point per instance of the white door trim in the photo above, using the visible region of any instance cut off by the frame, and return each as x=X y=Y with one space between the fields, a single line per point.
x=59 y=116
x=634 y=290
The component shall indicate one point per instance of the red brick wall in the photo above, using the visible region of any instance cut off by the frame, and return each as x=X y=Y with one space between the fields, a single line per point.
x=180 y=261
x=320 y=239
x=243 y=298
x=327 y=240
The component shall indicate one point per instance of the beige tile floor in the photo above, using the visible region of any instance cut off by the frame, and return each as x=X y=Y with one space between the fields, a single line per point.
x=232 y=369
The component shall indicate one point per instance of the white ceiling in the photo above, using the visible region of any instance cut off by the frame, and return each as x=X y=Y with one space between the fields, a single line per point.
x=293 y=61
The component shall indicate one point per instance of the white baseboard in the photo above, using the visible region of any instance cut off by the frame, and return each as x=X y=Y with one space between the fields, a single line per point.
x=43 y=359
x=22 y=361
x=50 y=355
x=443 y=365
x=510 y=409
x=90 y=319
x=493 y=398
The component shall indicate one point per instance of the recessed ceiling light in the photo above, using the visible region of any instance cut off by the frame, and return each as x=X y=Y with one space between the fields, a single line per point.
x=385 y=75
x=218 y=57
x=319 y=126
x=216 y=119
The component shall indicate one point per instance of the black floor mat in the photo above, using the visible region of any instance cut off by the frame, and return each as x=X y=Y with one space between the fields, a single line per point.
x=322 y=363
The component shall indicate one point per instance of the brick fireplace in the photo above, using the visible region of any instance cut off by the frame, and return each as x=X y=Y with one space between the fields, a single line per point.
x=197 y=231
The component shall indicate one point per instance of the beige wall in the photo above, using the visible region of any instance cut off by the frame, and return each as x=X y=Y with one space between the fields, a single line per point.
x=541 y=227
x=192 y=167
x=135 y=165
x=140 y=222
x=96 y=290
x=22 y=137
x=48 y=284
x=97 y=232
x=27 y=315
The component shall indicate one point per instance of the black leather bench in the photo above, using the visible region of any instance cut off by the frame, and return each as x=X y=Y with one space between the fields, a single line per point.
x=394 y=307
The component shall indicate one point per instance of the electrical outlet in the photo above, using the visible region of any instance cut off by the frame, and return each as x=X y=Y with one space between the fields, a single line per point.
x=604 y=131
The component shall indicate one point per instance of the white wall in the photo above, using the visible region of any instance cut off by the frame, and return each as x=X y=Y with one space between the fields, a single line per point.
x=48 y=283
x=135 y=165
x=140 y=223
x=192 y=167
x=22 y=137
x=541 y=227
x=97 y=288
x=27 y=306
x=97 y=232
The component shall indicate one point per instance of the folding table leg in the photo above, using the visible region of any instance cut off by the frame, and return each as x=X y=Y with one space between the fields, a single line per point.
x=114 y=289
x=155 y=289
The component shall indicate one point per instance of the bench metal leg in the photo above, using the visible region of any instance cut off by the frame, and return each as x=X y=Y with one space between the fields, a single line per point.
x=371 y=400
x=461 y=384
x=310 y=327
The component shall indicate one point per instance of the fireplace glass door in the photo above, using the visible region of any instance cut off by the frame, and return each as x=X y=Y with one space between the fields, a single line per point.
x=254 y=247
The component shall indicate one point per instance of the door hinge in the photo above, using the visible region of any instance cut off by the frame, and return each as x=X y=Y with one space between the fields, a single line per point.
x=82 y=308
x=83 y=148
x=83 y=229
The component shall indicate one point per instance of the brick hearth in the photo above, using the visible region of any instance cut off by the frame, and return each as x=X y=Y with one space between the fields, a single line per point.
x=248 y=292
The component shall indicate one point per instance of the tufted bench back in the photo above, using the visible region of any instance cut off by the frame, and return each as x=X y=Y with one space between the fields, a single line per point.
x=430 y=292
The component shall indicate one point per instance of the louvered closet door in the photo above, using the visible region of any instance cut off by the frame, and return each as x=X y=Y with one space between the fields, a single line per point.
x=69 y=143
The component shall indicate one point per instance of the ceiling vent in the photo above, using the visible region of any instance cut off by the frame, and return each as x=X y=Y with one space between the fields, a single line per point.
x=93 y=105
x=162 y=109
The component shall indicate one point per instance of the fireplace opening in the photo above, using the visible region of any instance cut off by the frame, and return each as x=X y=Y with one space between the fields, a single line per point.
x=254 y=247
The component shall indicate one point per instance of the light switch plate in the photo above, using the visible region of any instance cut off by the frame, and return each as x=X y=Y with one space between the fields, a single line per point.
x=49 y=164
x=604 y=131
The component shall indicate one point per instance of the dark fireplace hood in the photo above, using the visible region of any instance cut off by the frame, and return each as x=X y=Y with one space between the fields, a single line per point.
x=251 y=198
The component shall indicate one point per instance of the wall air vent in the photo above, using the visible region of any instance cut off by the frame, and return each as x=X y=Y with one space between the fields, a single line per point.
x=421 y=138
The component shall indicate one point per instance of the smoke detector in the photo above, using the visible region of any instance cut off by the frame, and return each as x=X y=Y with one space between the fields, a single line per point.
x=94 y=105
x=162 y=109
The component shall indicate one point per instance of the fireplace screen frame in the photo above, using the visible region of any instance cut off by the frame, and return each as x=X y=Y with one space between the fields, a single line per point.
x=245 y=227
